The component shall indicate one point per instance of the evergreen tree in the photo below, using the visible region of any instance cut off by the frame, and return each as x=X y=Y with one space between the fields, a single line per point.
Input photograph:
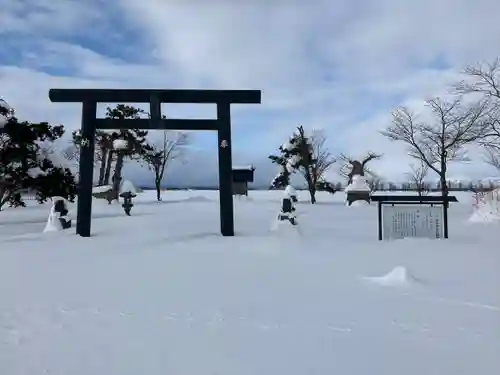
x=302 y=158
x=103 y=153
x=285 y=162
x=135 y=141
x=23 y=165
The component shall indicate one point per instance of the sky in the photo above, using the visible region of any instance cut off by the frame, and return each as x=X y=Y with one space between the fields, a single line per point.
x=336 y=65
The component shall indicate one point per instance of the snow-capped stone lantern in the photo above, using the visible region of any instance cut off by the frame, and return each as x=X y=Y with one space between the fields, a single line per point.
x=6 y=112
x=288 y=206
x=119 y=145
x=127 y=192
x=58 y=216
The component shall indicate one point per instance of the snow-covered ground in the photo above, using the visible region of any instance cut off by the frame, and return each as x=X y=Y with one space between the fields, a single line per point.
x=161 y=292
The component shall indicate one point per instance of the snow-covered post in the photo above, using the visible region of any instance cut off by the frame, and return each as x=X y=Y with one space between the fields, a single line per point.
x=288 y=207
x=57 y=223
x=127 y=192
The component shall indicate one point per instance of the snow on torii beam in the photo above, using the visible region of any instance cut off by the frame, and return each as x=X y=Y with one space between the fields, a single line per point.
x=89 y=99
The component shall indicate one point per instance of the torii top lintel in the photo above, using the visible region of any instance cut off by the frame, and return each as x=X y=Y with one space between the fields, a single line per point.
x=148 y=95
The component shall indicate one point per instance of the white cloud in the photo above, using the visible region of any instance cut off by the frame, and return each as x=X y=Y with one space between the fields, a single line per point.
x=337 y=65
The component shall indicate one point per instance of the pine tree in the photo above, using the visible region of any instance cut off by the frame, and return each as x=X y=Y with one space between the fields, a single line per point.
x=135 y=138
x=303 y=159
x=286 y=163
x=103 y=153
x=23 y=165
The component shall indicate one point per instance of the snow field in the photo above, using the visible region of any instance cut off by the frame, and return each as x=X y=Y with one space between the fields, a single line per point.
x=162 y=292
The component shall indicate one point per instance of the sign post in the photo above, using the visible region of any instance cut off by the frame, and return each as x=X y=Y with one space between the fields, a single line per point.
x=401 y=216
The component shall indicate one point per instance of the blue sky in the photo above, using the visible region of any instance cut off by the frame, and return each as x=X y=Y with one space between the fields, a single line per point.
x=336 y=65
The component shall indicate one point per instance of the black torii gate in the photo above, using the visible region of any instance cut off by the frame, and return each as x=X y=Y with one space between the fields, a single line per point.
x=89 y=99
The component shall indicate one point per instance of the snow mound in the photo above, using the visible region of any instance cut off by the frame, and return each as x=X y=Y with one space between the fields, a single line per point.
x=53 y=223
x=487 y=207
x=101 y=189
x=398 y=277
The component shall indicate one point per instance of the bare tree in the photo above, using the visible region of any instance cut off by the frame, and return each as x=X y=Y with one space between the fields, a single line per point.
x=157 y=157
x=484 y=79
x=443 y=139
x=351 y=166
x=310 y=156
x=321 y=156
x=492 y=156
x=417 y=176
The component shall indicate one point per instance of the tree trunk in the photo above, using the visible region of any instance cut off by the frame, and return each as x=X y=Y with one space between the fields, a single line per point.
x=109 y=162
x=6 y=194
x=444 y=187
x=442 y=177
x=117 y=176
x=2 y=200
x=286 y=176
x=311 y=186
x=312 y=192
x=102 y=169
x=158 y=191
